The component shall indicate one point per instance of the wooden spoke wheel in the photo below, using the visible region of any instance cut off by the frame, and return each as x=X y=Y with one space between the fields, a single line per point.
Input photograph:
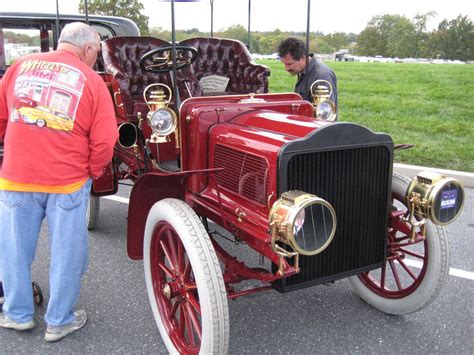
x=184 y=281
x=415 y=271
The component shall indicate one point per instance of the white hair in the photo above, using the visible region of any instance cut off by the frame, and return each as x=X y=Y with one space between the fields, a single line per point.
x=78 y=34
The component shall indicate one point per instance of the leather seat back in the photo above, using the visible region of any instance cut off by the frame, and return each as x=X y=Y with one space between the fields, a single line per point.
x=121 y=56
x=229 y=58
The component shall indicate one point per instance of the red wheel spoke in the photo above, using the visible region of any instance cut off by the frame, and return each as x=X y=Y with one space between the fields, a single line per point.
x=187 y=272
x=189 y=326
x=400 y=245
x=172 y=245
x=174 y=309
x=395 y=274
x=194 y=302
x=165 y=269
x=382 y=276
x=168 y=255
x=182 y=325
x=400 y=239
x=416 y=255
x=194 y=320
x=402 y=263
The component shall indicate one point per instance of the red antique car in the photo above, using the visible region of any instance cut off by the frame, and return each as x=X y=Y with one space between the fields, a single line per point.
x=210 y=150
x=316 y=199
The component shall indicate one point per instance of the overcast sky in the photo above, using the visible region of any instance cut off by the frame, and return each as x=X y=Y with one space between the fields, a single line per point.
x=326 y=16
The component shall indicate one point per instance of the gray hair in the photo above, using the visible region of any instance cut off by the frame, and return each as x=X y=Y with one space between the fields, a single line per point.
x=78 y=34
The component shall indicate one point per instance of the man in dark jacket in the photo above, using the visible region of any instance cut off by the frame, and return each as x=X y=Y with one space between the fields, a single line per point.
x=292 y=52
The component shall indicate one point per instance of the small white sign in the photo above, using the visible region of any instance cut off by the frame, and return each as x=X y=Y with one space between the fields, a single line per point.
x=213 y=83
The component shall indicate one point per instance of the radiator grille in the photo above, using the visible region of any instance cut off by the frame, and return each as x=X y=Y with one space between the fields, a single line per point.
x=356 y=183
x=245 y=174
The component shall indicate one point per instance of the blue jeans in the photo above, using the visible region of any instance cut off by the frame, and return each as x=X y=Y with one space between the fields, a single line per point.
x=21 y=216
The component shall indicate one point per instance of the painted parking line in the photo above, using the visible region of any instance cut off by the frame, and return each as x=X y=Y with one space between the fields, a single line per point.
x=117 y=199
x=452 y=271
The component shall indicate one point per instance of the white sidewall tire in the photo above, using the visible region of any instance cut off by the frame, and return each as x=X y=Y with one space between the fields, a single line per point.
x=93 y=208
x=206 y=270
x=434 y=279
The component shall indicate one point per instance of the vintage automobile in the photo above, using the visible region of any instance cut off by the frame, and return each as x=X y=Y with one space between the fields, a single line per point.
x=315 y=198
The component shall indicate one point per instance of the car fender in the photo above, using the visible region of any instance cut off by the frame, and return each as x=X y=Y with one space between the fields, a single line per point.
x=147 y=190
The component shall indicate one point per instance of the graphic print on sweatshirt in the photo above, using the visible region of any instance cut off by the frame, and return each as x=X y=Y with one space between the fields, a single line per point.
x=47 y=95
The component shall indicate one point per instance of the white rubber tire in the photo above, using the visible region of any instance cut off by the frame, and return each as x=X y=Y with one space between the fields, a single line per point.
x=206 y=270
x=434 y=279
x=93 y=208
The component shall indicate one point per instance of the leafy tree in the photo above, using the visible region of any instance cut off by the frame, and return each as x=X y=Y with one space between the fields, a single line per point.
x=15 y=37
x=371 y=42
x=124 y=8
x=454 y=39
x=161 y=33
x=419 y=26
x=387 y=35
x=234 y=32
x=336 y=40
x=269 y=43
x=320 y=45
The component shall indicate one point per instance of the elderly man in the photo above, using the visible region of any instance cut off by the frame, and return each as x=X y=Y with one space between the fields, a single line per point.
x=58 y=124
x=292 y=52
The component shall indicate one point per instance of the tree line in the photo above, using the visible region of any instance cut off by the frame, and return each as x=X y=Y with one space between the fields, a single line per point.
x=386 y=35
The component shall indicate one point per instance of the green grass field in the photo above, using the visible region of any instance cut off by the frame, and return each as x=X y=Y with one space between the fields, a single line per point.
x=428 y=105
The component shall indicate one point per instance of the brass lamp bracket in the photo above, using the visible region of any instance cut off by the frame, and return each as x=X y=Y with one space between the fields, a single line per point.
x=415 y=201
x=281 y=252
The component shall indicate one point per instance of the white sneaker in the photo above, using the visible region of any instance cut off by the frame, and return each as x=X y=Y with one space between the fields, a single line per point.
x=57 y=333
x=6 y=322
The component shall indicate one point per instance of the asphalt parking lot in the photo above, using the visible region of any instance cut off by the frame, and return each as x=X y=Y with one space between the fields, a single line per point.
x=317 y=320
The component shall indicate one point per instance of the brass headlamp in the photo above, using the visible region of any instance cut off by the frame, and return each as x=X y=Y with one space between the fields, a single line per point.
x=161 y=119
x=303 y=221
x=435 y=197
x=323 y=108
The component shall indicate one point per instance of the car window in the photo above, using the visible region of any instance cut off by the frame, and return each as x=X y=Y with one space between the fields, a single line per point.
x=104 y=32
x=20 y=42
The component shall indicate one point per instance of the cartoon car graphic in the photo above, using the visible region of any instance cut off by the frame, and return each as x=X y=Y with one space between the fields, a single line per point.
x=22 y=100
x=44 y=117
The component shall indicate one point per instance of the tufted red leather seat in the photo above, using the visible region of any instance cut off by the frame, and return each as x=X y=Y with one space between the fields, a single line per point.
x=229 y=58
x=121 y=56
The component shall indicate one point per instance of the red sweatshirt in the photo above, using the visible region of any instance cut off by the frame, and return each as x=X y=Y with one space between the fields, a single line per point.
x=57 y=119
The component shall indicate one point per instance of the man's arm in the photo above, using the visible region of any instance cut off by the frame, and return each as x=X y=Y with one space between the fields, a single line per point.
x=3 y=110
x=103 y=134
x=325 y=73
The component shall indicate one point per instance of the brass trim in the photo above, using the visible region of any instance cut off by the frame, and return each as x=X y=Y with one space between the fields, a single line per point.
x=158 y=96
x=422 y=193
x=283 y=215
x=167 y=291
x=240 y=214
x=322 y=93
x=158 y=136
x=118 y=92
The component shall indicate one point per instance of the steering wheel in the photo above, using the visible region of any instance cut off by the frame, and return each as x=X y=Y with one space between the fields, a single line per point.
x=161 y=58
